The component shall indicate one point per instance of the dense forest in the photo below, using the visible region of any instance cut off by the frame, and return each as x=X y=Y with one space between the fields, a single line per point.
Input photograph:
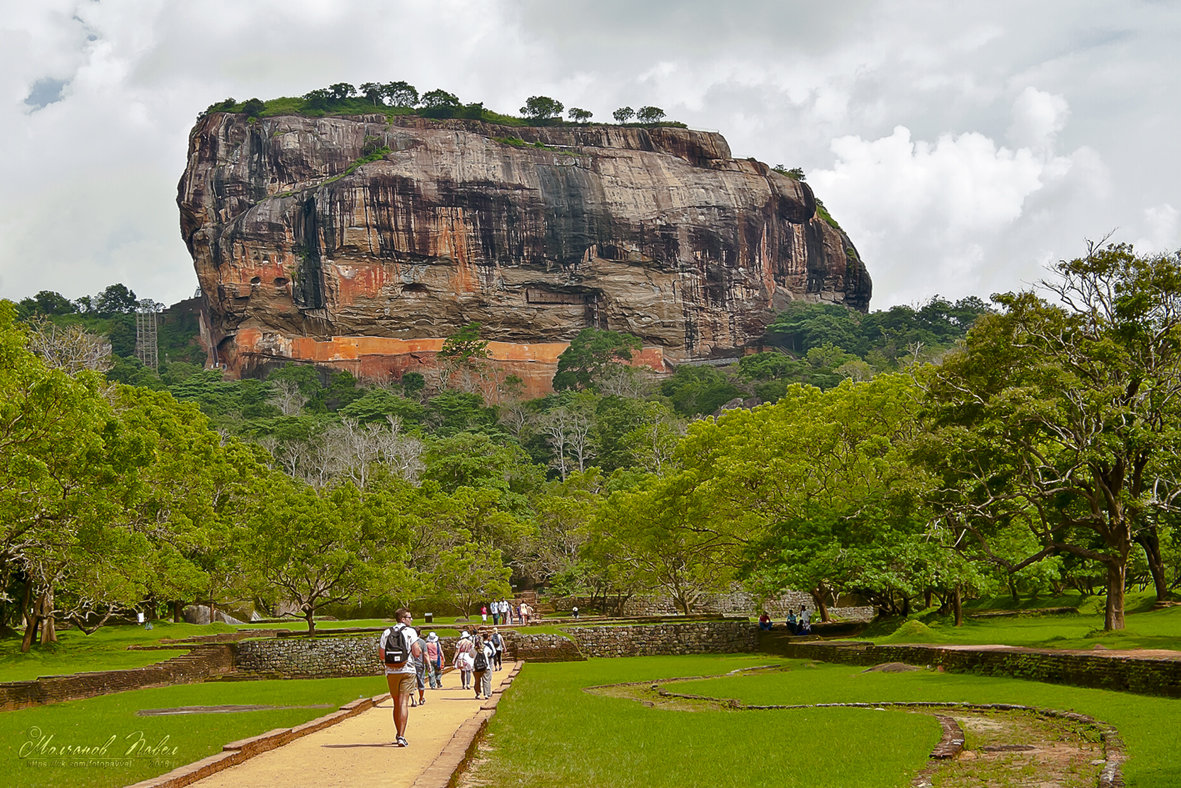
x=911 y=457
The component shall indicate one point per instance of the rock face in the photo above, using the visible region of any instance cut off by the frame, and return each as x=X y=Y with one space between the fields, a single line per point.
x=363 y=242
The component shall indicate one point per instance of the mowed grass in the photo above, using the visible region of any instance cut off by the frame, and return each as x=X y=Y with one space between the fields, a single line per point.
x=106 y=649
x=1149 y=726
x=1159 y=629
x=548 y=731
x=142 y=747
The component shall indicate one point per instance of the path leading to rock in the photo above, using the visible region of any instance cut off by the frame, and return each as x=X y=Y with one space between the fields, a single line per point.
x=361 y=750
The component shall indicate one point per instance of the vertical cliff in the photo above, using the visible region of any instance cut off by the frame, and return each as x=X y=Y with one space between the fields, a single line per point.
x=363 y=242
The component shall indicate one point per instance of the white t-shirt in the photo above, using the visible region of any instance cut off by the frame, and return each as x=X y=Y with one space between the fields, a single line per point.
x=408 y=637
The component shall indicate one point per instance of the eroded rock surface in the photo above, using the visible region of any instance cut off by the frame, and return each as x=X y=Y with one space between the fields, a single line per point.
x=305 y=252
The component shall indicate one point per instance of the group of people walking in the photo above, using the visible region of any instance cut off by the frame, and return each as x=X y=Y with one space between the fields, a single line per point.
x=414 y=664
x=476 y=658
x=506 y=612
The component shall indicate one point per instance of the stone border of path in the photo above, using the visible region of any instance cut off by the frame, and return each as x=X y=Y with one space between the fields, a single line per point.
x=235 y=752
x=438 y=775
x=456 y=753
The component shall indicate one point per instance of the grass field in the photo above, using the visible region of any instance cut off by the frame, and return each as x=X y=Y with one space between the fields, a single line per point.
x=549 y=731
x=140 y=747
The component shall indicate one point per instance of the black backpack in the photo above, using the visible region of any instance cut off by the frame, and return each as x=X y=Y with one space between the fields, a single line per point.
x=481 y=662
x=395 y=653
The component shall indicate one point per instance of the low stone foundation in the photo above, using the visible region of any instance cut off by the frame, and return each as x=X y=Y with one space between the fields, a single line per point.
x=703 y=637
x=1144 y=675
x=200 y=663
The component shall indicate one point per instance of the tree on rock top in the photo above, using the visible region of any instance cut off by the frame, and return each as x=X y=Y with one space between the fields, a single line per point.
x=542 y=108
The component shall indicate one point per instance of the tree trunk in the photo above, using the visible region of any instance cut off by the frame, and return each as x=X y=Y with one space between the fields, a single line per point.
x=45 y=613
x=30 y=619
x=310 y=615
x=821 y=606
x=1150 y=541
x=177 y=614
x=1113 y=617
x=957 y=605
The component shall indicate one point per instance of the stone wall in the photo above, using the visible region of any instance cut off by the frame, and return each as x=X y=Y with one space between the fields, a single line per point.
x=703 y=637
x=355 y=654
x=736 y=603
x=197 y=665
x=1128 y=674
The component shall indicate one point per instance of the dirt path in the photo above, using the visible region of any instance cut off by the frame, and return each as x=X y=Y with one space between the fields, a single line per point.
x=361 y=750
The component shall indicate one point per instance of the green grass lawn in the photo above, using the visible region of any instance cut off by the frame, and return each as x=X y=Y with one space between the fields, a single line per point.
x=152 y=740
x=1084 y=630
x=548 y=731
x=106 y=649
x=1149 y=726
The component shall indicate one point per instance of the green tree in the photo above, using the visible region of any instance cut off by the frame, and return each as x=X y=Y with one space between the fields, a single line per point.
x=649 y=114
x=316 y=549
x=591 y=354
x=253 y=108
x=1063 y=417
x=340 y=91
x=46 y=302
x=400 y=94
x=623 y=114
x=373 y=91
x=816 y=492
x=541 y=108
x=469 y=574
x=698 y=390
x=114 y=299
x=579 y=115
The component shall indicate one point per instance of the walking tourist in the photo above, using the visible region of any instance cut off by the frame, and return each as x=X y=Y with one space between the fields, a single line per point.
x=482 y=666
x=419 y=658
x=497 y=649
x=396 y=649
x=464 y=661
x=434 y=661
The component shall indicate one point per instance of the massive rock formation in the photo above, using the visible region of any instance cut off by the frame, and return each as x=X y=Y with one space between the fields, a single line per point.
x=363 y=242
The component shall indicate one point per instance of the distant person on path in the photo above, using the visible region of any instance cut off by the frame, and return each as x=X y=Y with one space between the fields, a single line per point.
x=523 y=614
x=575 y=611
x=484 y=613
x=396 y=649
x=805 y=621
x=434 y=661
x=497 y=649
x=420 y=671
x=464 y=662
x=765 y=622
x=482 y=660
x=495 y=612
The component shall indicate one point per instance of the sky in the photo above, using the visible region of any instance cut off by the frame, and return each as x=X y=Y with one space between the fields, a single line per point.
x=962 y=146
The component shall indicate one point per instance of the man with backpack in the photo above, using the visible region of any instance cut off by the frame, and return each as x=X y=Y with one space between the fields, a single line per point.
x=497 y=649
x=482 y=658
x=397 y=650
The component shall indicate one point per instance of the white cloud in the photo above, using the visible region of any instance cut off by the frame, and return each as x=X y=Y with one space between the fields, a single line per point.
x=1037 y=118
x=961 y=146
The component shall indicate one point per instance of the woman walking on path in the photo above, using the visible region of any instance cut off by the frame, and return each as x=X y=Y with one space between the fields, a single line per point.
x=464 y=662
x=482 y=660
x=434 y=661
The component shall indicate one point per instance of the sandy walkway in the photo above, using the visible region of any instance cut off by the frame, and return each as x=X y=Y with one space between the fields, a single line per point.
x=361 y=750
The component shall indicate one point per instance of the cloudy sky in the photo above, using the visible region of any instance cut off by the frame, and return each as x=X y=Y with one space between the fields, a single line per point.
x=962 y=146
